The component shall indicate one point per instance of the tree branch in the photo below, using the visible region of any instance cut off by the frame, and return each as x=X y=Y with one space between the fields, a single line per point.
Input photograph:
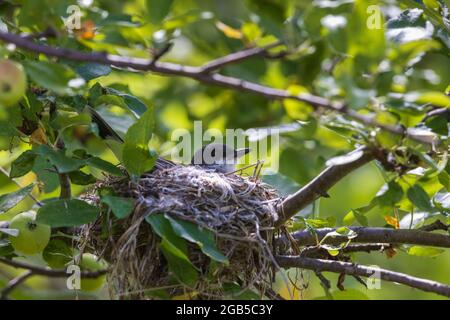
x=14 y=283
x=237 y=57
x=369 y=235
x=348 y=268
x=199 y=74
x=64 y=179
x=52 y=273
x=318 y=252
x=319 y=185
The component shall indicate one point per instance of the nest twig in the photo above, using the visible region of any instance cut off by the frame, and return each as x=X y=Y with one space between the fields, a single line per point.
x=240 y=211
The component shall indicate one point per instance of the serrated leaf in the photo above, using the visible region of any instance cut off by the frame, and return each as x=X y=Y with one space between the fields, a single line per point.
x=202 y=237
x=120 y=206
x=66 y=213
x=23 y=164
x=10 y=200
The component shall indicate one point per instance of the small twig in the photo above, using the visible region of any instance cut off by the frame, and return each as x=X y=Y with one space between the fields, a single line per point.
x=438 y=112
x=237 y=57
x=436 y=225
x=64 y=179
x=369 y=235
x=52 y=273
x=14 y=283
x=363 y=271
x=159 y=53
x=318 y=252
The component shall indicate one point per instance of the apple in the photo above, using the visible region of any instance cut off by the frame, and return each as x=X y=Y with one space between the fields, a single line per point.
x=90 y=262
x=33 y=237
x=13 y=82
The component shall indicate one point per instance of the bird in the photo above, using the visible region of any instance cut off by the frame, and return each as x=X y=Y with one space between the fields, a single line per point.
x=218 y=157
x=215 y=157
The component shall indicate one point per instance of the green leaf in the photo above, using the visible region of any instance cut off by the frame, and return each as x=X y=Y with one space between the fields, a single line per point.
x=23 y=164
x=364 y=40
x=66 y=213
x=120 y=206
x=89 y=71
x=433 y=97
x=136 y=155
x=202 y=237
x=174 y=249
x=10 y=200
x=104 y=166
x=389 y=194
x=58 y=159
x=420 y=251
x=419 y=198
x=135 y=105
x=158 y=10
x=82 y=179
x=54 y=76
x=183 y=270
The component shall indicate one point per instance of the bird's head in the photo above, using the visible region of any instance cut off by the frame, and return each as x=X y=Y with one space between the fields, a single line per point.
x=218 y=156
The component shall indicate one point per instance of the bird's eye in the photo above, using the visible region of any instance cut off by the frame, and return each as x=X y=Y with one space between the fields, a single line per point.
x=213 y=152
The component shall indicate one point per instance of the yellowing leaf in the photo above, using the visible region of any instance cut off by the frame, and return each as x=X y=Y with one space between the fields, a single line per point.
x=87 y=31
x=390 y=252
x=392 y=221
x=229 y=31
x=38 y=136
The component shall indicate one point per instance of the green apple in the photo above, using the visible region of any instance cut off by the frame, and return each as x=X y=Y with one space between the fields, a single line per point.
x=33 y=237
x=90 y=262
x=13 y=82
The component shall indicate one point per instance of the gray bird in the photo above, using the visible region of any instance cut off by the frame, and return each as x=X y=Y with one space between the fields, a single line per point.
x=214 y=156
x=218 y=157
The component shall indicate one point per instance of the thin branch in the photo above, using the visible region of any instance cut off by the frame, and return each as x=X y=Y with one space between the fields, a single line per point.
x=436 y=225
x=198 y=74
x=159 y=53
x=319 y=252
x=14 y=283
x=64 y=179
x=237 y=57
x=369 y=235
x=319 y=185
x=52 y=273
x=320 y=265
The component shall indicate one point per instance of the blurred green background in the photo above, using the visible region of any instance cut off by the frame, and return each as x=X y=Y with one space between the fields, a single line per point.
x=178 y=102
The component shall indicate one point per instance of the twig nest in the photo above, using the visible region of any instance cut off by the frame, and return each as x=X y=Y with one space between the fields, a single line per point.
x=228 y=221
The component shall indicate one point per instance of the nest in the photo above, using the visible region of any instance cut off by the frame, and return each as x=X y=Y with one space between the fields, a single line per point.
x=239 y=211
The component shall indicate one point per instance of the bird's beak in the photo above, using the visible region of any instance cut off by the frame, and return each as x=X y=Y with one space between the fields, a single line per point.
x=241 y=152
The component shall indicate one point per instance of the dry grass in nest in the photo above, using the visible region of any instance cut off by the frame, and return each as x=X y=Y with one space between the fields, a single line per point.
x=240 y=211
